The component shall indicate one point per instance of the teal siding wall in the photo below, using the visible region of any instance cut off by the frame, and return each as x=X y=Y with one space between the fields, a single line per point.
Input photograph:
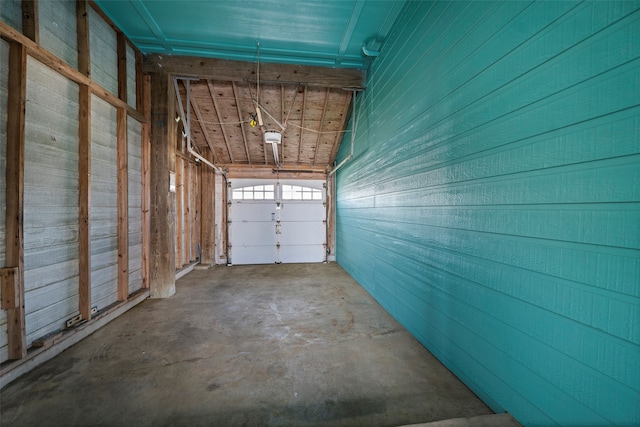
x=493 y=202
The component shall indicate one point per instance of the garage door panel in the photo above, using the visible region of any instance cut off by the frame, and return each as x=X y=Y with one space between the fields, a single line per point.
x=253 y=233
x=253 y=211
x=254 y=254
x=294 y=211
x=302 y=253
x=302 y=233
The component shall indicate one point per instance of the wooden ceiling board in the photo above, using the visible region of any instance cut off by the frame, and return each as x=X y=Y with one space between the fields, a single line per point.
x=314 y=117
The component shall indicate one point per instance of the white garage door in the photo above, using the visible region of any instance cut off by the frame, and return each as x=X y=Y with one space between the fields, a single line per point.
x=277 y=222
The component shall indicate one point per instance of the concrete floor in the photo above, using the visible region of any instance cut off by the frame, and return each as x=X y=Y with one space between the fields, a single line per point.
x=276 y=345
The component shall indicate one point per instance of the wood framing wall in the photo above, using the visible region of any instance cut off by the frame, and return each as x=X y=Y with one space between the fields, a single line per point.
x=187 y=220
x=75 y=151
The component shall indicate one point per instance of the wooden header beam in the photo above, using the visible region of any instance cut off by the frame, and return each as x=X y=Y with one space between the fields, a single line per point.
x=270 y=172
x=237 y=71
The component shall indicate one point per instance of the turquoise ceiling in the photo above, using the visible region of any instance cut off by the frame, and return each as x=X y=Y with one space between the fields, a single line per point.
x=324 y=32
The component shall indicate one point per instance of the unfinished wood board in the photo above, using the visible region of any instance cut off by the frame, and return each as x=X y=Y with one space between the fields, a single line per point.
x=14 y=202
x=123 y=202
x=4 y=72
x=134 y=140
x=179 y=250
x=162 y=220
x=84 y=201
x=146 y=184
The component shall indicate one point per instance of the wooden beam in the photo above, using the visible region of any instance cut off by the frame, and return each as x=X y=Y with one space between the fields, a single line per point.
x=304 y=105
x=146 y=184
x=179 y=211
x=331 y=216
x=162 y=209
x=270 y=172
x=186 y=214
x=10 y=288
x=84 y=55
x=207 y=214
x=14 y=257
x=202 y=119
x=123 y=205
x=30 y=20
x=345 y=117
x=324 y=113
x=217 y=107
x=64 y=69
x=84 y=197
x=139 y=82
x=122 y=66
x=193 y=193
x=244 y=133
x=282 y=120
x=237 y=71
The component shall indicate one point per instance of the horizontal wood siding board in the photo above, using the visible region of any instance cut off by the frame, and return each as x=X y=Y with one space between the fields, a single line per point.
x=492 y=202
x=103 y=204
x=58 y=29
x=4 y=81
x=50 y=244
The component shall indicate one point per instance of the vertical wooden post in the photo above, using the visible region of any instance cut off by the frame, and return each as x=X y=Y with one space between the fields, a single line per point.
x=207 y=214
x=82 y=18
x=186 y=217
x=140 y=84
x=194 y=211
x=179 y=213
x=84 y=197
x=146 y=184
x=123 y=206
x=17 y=87
x=30 y=20
x=84 y=164
x=162 y=239
x=122 y=66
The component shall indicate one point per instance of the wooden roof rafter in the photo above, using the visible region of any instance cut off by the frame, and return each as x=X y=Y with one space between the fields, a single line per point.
x=324 y=115
x=202 y=121
x=304 y=104
x=339 y=135
x=282 y=119
x=244 y=133
x=220 y=121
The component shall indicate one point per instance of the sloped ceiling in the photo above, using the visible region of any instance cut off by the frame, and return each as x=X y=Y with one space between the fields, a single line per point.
x=278 y=34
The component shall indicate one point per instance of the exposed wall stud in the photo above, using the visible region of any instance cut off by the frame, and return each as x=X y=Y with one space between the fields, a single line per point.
x=16 y=332
x=84 y=198
x=123 y=206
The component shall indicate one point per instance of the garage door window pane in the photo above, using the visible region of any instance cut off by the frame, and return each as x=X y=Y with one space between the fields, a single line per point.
x=258 y=192
x=296 y=192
